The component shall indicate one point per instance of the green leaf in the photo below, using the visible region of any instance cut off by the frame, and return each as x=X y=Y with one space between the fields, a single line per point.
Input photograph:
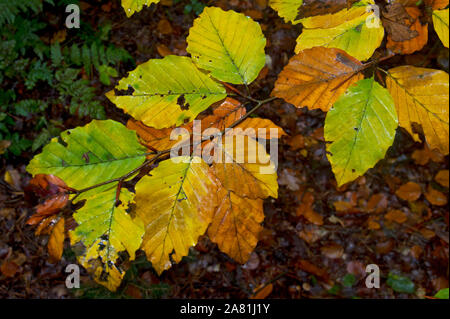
x=400 y=283
x=106 y=229
x=169 y=91
x=105 y=72
x=228 y=44
x=440 y=22
x=349 y=280
x=442 y=294
x=89 y=155
x=287 y=9
x=132 y=6
x=360 y=127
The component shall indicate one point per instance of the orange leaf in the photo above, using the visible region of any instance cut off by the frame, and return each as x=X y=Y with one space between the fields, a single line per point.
x=317 y=77
x=373 y=224
x=9 y=268
x=236 y=225
x=436 y=4
x=163 y=50
x=332 y=251
x=410 y=191
x=427 y=233
x=312 y=269
x=164 y=27
x=442 y=177
x=377 y=203
x=56 y=242
x=414 y=44
x=50 y=207
x=262 y=293
x=435 y=197
x=397 y=216
x=305 y=209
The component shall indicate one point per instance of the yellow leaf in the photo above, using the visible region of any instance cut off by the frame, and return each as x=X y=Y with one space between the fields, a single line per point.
x=242 y=165
x=56 y=241
x=287 y=9
x=177 y=204
x=228 y=44
x=421 y=96
x=440 y=21
x=166 y=92
x=236 y=225
x=317 y=77
x=132 y=6
x=357 y=31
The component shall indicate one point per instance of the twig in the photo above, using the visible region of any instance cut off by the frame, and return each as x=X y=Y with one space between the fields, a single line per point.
x=159 y=154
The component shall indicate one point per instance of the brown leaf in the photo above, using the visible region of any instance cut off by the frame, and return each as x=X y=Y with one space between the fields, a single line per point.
x=4 y=144
x=385 y=247
x=372 y=223
x=9 y=268
x=397 y=216
x=164 y=27
x=397 y=22
x=416 y=251
x=317 y=77
x=442 y=177
x=423 y=156
x=305 y=209
x=408 y=46
x=436 y=4
x=377 y=203
x=305 y=265
x=262 y=292
x=435 y=197
x=163 y=50
x=236 y=225
x=333 y=251
x=47 y=185
x=427 y=233
x=50 y=207
x=410 y=191
x=56 y=241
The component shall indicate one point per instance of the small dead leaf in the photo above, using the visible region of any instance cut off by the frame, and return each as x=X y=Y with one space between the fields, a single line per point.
x=307 y=266
x=427 y=233
x=410 y=191
x=305 y=209
x=163 y=50
x=397 y=22
x=56 y=242
x=12 y=177
x=377 y=203
x=416 y=251
x=262 y=292
x=9 y=268
x=164 y=27
x=4 y=145
x=442 y=177
x=332 y=251
x=373 y=224
x=414 y=44
x=436 y=197
x=397 y=216
x=59 y=36
x=385 y=247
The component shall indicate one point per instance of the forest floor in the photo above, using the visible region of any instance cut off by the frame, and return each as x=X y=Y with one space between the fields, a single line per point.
x=322 y=256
